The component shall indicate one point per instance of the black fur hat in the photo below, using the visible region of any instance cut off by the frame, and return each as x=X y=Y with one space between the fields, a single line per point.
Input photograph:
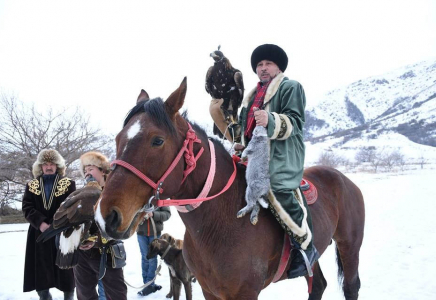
x=269 y=52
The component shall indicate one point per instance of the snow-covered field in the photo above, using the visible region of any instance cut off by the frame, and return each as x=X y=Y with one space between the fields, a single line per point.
x=395 y=262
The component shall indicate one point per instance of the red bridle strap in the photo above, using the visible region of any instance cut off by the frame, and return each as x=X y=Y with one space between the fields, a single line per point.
x=190 y=159
x=175 y=202
x=135 y=171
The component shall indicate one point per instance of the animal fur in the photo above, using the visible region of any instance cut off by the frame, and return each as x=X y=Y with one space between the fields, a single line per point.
x=173 y=241
x=49 y=155
x=72 y=221
x=179 y=272
x=257 y=174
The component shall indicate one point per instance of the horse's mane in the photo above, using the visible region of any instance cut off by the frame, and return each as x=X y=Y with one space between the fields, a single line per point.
x=156 y=108
x=199 y=130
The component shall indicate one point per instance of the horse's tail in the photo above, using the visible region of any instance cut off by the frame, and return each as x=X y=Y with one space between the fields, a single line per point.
x=340 y=267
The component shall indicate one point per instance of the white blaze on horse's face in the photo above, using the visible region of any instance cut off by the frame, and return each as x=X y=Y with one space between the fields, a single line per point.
x=98 y=217
x=134 y=129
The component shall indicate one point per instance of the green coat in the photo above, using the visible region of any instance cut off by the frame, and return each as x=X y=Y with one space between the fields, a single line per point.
x=285 y=102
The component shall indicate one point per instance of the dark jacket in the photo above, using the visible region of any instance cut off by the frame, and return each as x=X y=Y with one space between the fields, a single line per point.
x=40 y=271
x=160 y=215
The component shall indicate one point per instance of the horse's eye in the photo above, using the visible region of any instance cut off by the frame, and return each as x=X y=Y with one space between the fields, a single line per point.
x=157 y=142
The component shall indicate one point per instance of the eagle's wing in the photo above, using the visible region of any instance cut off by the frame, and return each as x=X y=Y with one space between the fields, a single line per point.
x=208 y=84
x=240 y=85
x=73 y=220
x=76 y=210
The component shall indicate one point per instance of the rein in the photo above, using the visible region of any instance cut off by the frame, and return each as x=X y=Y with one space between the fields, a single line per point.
x=191 y=160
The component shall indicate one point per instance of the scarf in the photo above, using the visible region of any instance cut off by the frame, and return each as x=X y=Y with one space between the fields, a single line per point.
x=258 y=102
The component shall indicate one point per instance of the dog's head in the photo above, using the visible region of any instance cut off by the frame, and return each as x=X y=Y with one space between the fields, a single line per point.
x=156 y=247
x=172 y=241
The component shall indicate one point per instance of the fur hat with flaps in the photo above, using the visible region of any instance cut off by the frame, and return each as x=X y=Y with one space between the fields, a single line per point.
x=46 y=156
x=94 y=158
x=269 y=52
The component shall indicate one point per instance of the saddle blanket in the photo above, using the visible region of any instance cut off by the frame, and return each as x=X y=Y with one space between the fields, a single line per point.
x=309 y=190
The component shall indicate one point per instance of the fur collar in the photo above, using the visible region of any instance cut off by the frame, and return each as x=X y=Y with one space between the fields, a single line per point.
x=271 y=91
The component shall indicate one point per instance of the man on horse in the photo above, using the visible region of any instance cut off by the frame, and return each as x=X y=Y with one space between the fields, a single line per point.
x=278 y=104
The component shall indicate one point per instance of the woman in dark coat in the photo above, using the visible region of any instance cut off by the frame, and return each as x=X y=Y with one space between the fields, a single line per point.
x=42 y=198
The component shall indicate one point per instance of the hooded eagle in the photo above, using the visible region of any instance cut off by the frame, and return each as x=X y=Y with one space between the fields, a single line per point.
x=73 y=219
x=225 y=82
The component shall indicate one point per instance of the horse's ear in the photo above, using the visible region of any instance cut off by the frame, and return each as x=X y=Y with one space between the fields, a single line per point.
x=176 y=99
x=143 y=96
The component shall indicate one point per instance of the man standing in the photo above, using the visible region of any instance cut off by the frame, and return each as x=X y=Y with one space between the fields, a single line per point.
x=42 y=197
x=278 y=104
x=145 y=237
x=94 y=251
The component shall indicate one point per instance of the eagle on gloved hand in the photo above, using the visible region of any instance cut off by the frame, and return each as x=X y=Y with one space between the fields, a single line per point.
x=72 y=220
x=225 y=82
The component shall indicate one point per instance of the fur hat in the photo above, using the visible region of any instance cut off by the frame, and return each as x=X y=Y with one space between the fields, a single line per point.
x=46 y=156
x=269 y=52
x=94 y=158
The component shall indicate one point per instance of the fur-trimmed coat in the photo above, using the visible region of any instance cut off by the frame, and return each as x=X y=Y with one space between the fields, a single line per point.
x=40 y=271
x=285 y=102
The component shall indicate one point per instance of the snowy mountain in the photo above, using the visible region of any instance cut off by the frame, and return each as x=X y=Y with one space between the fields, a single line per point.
x=398 y=103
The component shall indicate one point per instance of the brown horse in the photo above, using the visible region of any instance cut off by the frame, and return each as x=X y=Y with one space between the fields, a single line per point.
x=231 y=258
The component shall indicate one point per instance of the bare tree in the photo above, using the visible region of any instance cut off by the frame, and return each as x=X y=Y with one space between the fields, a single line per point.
x=24 y=132
x=388 y=160
x=377 y=159
x=366 y=154
x=399 y=159
x=329 y=158
x=422 y=161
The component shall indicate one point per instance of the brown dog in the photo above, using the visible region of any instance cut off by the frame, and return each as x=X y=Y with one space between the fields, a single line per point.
x=179 y=272
x=173 y=241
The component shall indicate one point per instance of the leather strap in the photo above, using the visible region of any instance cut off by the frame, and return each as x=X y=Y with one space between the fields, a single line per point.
x=103 y=260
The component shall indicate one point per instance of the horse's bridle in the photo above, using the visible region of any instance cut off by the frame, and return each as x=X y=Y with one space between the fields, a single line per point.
x=191 y=161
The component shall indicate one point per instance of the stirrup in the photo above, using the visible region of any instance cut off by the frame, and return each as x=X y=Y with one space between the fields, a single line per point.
x=306 y=261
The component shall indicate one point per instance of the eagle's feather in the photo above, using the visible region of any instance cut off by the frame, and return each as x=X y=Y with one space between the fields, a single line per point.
x=73 y=220
x=225 y=82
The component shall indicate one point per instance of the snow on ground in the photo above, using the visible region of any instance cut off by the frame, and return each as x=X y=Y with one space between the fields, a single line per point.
x=384 y=143
x=396 y=259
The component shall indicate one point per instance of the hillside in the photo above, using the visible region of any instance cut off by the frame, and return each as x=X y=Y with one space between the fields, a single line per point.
x=402 y=101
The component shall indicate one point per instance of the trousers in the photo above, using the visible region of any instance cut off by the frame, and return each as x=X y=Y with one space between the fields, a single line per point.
x=86 y=277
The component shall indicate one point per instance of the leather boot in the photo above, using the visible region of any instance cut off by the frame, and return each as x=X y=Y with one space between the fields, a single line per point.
x=44 y=295
x=147 y=290
x=299 y=266
x=69 y=295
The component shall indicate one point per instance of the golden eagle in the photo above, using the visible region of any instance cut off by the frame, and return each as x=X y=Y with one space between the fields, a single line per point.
x=73 y=220
x=225 y=82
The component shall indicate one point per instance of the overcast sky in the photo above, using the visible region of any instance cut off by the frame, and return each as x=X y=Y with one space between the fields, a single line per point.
x=99 y=54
